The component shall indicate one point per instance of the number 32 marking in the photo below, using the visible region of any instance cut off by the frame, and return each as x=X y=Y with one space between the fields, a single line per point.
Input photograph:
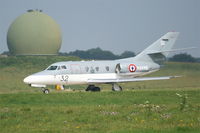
x=64 y=78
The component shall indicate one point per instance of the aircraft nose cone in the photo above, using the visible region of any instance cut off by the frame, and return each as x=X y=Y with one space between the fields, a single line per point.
x=27 y=80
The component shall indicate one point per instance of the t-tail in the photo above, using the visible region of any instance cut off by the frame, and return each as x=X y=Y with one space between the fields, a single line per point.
x=159 y=50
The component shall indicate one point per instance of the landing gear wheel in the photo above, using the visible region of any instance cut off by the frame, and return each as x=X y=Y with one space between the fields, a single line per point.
x=92 y=88
x=45 y=91
x=96 y=89
x=89 y=88
x=116 y=87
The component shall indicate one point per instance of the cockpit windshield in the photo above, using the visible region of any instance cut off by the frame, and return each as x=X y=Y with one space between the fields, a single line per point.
x=62 y=67
x=52 y=68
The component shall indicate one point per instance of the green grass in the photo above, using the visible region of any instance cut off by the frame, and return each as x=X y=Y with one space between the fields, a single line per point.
x=99 y=112
x=143 y=107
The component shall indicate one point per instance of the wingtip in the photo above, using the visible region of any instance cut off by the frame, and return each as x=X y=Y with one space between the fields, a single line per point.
x=176 y=76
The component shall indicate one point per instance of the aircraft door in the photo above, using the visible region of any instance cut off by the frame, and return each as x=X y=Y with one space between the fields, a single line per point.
x=75 y=69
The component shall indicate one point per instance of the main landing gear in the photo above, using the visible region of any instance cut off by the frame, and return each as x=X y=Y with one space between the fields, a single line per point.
x=45 y=91
x=92 y=88
x=115 y=87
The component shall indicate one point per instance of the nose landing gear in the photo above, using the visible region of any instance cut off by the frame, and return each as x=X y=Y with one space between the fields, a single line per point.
x=115 y=87
x=45 y=91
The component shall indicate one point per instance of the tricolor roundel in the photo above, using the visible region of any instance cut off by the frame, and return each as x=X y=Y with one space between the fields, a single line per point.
x=132 y=67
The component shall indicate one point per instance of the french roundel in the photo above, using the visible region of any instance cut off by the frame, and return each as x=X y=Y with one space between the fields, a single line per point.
x=132 y=68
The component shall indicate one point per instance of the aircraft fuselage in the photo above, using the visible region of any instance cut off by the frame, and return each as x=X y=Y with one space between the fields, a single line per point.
x=79 y=72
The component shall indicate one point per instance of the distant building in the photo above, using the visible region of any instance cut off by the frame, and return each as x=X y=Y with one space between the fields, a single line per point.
x=34 y=33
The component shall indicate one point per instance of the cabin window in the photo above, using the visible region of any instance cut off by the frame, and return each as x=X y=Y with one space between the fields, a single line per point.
x=107 y=68
x=91 y=70
x=86 y=69
x=97 y=69
x=52 y=68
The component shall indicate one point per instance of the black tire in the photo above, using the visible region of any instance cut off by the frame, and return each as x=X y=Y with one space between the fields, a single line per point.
x=46 y=91
x=96 y=89
x=89 y=88
x=93 y=88
x=118 y=90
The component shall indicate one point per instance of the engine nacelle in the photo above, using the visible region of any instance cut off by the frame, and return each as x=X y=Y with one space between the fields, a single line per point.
x=130 y=68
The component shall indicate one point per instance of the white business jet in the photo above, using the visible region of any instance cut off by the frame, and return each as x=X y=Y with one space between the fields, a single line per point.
x=107 y=72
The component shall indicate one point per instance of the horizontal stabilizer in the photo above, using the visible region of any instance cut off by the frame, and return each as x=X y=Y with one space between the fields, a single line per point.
x=173 y=50
x=92 y=81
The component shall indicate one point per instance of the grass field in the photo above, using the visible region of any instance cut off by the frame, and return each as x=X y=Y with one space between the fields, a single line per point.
x=143 y=107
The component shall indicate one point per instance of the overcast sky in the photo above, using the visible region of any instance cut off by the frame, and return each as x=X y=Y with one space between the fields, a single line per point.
x=115 y=25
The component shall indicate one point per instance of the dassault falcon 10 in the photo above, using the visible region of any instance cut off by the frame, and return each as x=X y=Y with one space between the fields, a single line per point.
x=107 y=72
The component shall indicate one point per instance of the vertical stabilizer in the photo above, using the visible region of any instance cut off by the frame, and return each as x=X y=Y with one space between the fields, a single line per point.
x=159 y=50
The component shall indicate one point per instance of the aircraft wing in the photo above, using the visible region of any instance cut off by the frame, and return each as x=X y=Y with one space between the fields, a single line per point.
x=106 y=81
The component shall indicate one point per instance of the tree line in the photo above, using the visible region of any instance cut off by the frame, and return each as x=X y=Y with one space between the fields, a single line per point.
x=183 y=57
x=99 y=54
